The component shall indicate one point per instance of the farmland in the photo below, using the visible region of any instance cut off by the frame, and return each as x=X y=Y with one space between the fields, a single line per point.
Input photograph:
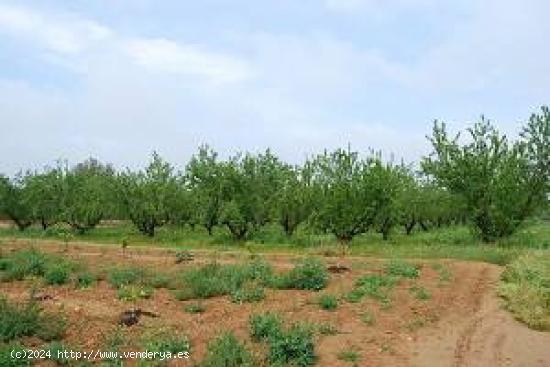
x=345 y=260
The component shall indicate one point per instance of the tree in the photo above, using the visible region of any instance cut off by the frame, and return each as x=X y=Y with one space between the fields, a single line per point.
x=203 y=175
x=294 y=201
x=44 y=193
x=349 y=192
x=87 y=194
x=500 y=182
x=148 y=195
x=250 y=186
x=13 y=201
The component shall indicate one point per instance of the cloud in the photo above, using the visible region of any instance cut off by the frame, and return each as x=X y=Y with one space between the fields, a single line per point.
x=165 y=56
x=65 y=35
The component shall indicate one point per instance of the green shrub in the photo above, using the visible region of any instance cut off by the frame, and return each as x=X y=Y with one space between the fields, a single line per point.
x=84 y=279
x=264 y=326
x=27 y=319
x=310 y=274
x=25 y=263
x=525 y=287
x=5 y=356
x=420 y=293
x=292 y=347
x=351 y=356
x=134 y=292
x=57 y=358
x=119 y=277
x=227 y=351
x=328 y=302
x=402 y=269
x=164 y=340
x=56 y=275
x=159 y=280
x=247 y=294
x=373 y=285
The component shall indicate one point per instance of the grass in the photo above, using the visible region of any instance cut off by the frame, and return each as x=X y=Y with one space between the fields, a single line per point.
x=308 y=274
x=164 y=341
x=443 y=272
x=446 y=242
x=367 y=317
x=328 y=302
x=525 y=287
x=227 y=351
x=403 y=269
x=28 y=319
x=376 y=286
x=326 y=328
x=420 y=293
x=350 y=356
x=24 y=263
x=264 y=326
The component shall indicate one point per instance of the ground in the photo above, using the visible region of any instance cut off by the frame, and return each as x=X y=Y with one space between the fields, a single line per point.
x=459 y=323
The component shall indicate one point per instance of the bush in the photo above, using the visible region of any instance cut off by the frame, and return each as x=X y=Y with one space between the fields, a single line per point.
x=165 y=341
x=27 y=319
x=402 y=269
x=227 y=351
x=264 y=326
x=373 y=285
x=84 y=279
x=5 y=356
x=525 y=287
x=56 y=275
x=292 y=347
x=248 y=293
x=134 y=292
x=328 y=302
x=310 y=274
x=24 y=263
x=119 y=277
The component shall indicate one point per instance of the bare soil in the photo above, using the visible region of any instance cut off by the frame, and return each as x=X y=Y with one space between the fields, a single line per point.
x=462 y=324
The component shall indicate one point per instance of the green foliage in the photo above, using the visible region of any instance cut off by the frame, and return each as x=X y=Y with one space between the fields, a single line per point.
x=248 y=293
x=119 y=277
x=525 y=287
x=148 y=196
x=84 y=279
x=28 y=319
x=328 y=302
x=227 y=351
x=293 y=347
x=375 y=286
x=310 y=274
x=502 y=183
x=402 y=269
x=134 y=292
x=264 y=326
x=14 y=201
x=164 y=341
x=349 y=355
x=5 y=356
x=57 y=275
x=420 y=293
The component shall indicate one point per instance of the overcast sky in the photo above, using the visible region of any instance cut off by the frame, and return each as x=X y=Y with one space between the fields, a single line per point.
x=119 y=79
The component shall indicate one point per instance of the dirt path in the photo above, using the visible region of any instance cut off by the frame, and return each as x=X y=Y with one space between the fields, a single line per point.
x=483 y=334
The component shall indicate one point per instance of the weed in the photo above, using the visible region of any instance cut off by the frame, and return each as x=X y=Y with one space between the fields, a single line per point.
x=292 y=347
x=84 y=279
x=165 y=341
x=310 y=274
x=375 y=286
x=443 y=271
x=402 y=269
x=119 y=277
x=351 y=356
x=264 y=326
x=327 y=329
x=28 y=319
x=248 y=293
x=134 y=292
x=420 y=293
x=525 y=287
x=6 y=359
x=56 y=275
x=367 y=317
x=227 y=351
x=328 y=302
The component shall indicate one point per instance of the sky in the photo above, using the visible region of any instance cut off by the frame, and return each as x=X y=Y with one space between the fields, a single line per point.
x=117 y=80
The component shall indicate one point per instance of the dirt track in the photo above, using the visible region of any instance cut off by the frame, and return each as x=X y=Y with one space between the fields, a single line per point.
x=483 y=334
